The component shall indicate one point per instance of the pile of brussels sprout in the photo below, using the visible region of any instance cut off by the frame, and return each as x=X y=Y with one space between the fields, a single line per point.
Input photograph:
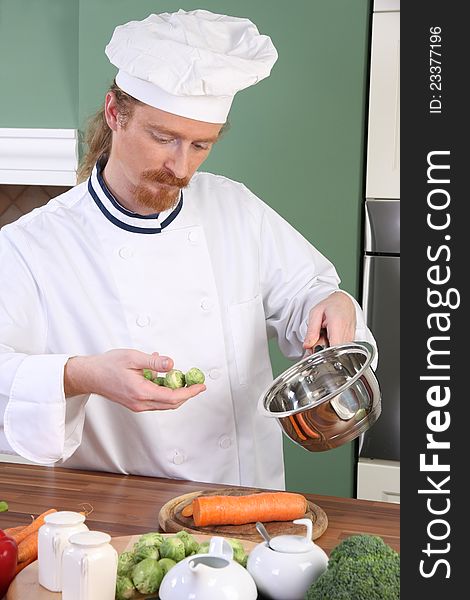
x=176 y=378
x=142 y=569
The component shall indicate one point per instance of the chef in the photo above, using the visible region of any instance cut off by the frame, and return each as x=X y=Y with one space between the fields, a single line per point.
x=150 y=263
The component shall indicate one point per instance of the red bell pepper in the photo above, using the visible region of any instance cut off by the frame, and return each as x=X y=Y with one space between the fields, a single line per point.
x=8 y=558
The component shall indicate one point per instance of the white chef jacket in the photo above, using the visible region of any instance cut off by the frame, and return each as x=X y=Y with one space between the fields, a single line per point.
x=205 y=283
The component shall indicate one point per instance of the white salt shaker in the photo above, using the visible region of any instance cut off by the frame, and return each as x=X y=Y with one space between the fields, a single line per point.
x=53 y=537
x=89 y=567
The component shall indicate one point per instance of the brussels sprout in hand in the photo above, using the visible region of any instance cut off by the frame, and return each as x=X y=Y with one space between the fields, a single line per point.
x=166 y=564
x=125 y=589
x=147 y=576
x=194 y=375
x=148 y=374
x=174 y=379
x=126 y=561
x=173 y=548
x=159 y=380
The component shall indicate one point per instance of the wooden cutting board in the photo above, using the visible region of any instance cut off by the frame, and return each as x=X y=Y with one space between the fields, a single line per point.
x=171 y=520
x=25 y=586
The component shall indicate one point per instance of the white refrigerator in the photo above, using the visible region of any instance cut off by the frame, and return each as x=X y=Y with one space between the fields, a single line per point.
x=378 y=465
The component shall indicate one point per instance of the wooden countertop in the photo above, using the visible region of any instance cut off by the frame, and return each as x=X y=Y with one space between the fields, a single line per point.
x=128 y=505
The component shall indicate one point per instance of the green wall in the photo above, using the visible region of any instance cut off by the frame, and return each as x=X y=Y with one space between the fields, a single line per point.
x=296 y=138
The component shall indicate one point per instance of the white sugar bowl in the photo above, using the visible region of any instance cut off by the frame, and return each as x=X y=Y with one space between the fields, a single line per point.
x=286 y=568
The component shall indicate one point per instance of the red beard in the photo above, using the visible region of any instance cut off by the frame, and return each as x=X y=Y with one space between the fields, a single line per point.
x=159 y=197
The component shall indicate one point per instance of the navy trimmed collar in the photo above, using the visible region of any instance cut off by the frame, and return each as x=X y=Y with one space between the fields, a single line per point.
x=120 y=216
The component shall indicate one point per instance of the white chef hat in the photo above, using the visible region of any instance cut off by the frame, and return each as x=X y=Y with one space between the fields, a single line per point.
x=190 y=63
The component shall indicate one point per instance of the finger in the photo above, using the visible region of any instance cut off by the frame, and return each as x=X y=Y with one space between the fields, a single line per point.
x=160 y=393
x=162 y=398
x=323 y=340
x=313 y=330
x=159 y=363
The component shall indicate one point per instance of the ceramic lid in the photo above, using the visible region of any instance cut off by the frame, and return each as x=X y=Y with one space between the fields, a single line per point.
x=290 y=544
x=90 y=538
x=64 y=517
x=294 y=543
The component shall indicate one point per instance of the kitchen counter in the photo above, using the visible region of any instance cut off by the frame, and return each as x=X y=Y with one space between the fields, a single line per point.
x=128 y=505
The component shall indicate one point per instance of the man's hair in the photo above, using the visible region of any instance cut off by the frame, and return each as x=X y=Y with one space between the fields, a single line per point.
x=98 y=135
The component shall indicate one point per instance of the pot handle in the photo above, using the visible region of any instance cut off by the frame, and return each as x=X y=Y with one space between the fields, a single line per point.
x=309 y=351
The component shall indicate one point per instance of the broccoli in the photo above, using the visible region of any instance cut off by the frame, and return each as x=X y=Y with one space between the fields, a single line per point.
x=362 y=567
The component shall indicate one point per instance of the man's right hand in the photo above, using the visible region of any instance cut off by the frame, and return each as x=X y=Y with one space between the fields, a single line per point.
x=118 y=376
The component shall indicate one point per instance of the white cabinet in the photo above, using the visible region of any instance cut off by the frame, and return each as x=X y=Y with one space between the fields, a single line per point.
x=383 y=140
x=378 y=480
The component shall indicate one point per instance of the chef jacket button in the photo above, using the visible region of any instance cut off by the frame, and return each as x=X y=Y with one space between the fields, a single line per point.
x=214 y=374
x=178 y=458
x=193 y=237
x=143 y=320
x=225 y=442
x=206 y=304
x=126 y=252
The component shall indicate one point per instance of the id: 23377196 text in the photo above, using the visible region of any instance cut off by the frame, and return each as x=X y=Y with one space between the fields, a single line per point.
x=435 y=70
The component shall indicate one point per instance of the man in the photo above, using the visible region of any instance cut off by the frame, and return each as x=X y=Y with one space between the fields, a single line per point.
x=150 y=264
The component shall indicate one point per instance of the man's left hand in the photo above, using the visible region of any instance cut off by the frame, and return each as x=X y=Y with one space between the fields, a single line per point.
x=332 y=321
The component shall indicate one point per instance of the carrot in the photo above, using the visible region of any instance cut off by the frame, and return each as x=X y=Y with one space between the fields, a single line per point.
x=238 y=510
x=11 y=531
x=187 y=510
x=308 y=430
x=28 y=547
x=33 y=526
x=296 y=427
x=22 y=565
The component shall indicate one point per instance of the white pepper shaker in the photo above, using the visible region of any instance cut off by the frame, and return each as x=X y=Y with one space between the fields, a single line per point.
x=89 y=567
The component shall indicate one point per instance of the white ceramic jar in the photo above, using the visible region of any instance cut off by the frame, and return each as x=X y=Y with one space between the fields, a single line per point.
x=212 y=576
x=286 y=568
x=89 y=567
x=53 y=537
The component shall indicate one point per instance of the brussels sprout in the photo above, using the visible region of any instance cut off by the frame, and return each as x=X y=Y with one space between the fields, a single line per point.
x=142 y=552
x=194 y=375
x=147 y=576
x=159 y=380
x=174 y=379
x=203 y=547
x=191 y=546
x=239 y=554
x=125 y=589
x=148 y=374
x=152 y=538
x=166 y=564
x=126 y=561
x=173 y=548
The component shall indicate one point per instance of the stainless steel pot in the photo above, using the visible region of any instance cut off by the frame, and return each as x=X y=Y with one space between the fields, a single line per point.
x=326 y=399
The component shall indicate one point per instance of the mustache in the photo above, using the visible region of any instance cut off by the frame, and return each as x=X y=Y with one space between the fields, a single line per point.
x=165 y=177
